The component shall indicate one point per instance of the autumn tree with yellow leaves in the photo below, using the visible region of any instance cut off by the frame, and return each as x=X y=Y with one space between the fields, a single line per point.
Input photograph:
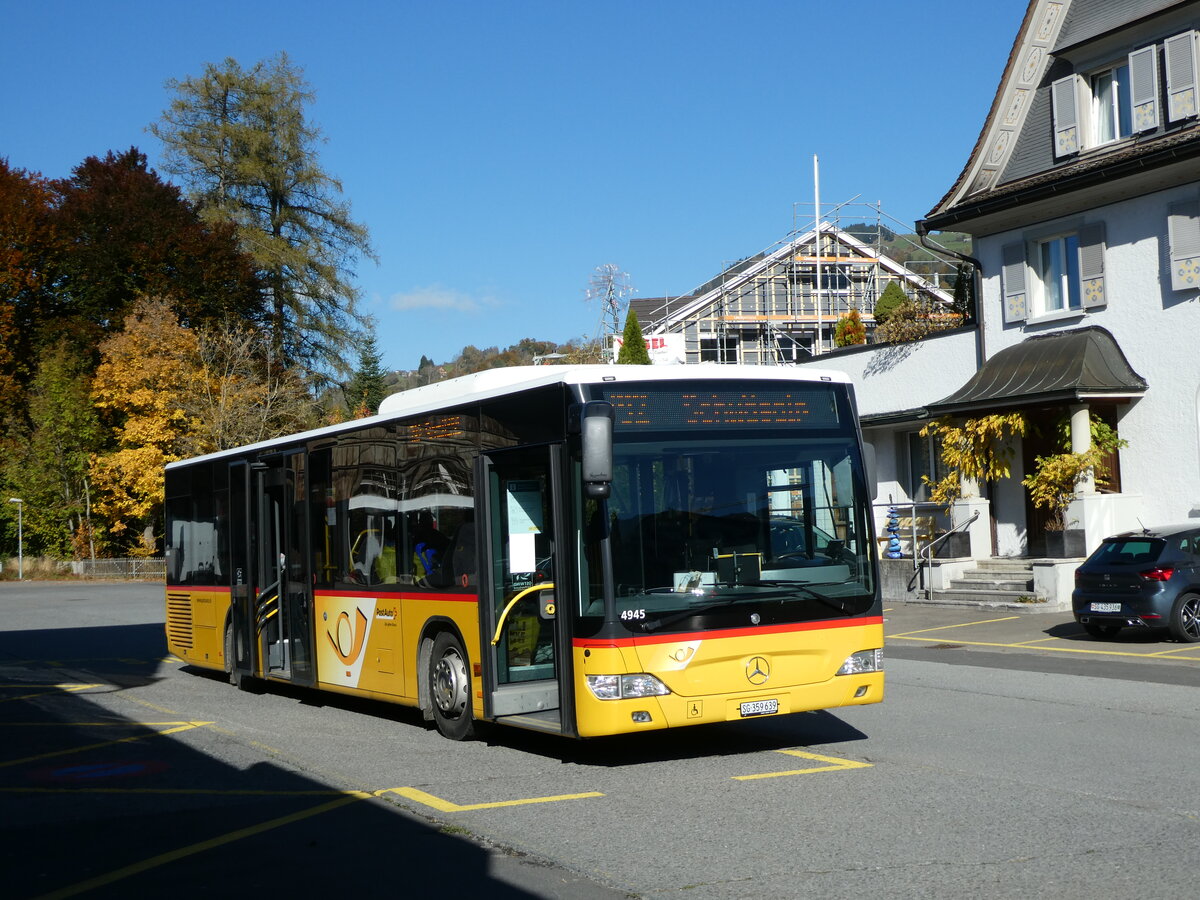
x=240 y=393
x=140 y=388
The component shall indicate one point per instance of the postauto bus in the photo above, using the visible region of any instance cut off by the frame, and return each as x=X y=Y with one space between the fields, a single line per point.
x=582 y=550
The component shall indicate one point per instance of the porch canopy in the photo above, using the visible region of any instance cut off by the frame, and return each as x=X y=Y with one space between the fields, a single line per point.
x=1062 y=367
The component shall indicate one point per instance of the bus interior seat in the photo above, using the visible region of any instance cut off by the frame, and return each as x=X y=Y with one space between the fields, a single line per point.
x=458 y=560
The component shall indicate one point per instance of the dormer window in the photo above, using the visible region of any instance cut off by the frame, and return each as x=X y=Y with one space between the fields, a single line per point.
x=1112 y=111
x=1106 y=105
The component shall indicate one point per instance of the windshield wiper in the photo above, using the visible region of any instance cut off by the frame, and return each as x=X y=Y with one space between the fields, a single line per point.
x=688 y=613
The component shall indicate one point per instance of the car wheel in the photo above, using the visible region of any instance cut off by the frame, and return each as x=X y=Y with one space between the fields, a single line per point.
x=1097 y=630
x=450 y=687
x=1185 y=619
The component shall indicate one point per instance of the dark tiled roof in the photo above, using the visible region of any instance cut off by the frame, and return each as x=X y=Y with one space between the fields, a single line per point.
x=1099 y=168
x=651 y=310
x=1051 y=368
x=1089 y=19
x=1086 y=20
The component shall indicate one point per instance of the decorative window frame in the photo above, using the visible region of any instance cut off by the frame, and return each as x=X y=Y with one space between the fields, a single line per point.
x=1183 y=237
x=1073 y=102
x=1022 y=289
x=1181 y=57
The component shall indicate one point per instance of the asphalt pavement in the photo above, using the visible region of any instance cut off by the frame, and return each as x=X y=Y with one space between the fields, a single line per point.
x=1049 y=642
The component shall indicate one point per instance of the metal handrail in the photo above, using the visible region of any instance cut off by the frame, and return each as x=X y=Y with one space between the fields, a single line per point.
x=914 y=506
x=926 y=555
x=548 y=586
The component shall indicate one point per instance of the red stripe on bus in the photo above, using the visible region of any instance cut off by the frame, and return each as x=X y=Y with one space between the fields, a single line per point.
x=444 y=598
x=643 y=639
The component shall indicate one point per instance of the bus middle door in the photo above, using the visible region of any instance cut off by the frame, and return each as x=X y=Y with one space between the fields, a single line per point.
x=525 y=641
x=281 y=610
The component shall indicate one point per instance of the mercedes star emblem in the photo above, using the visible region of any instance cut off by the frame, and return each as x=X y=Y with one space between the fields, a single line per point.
x=758 y=670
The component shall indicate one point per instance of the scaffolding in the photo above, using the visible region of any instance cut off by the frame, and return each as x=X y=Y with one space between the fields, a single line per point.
x=782 y=305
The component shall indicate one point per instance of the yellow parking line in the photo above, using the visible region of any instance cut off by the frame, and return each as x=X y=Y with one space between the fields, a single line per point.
x=54 y=689
x=60 y=685
x=1193 y=648
x=833 y=764
x=158 y=709
x=1053 y=649
x=1036 y=641
x=446 y=806
x=70 y=750
x=174 y=792
x=174 y=855
x=943 y=627
x=127 y=723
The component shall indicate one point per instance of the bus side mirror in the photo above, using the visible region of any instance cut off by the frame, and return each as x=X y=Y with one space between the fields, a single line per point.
x=596 y=427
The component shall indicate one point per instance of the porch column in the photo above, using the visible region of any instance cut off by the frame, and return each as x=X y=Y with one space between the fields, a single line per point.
x=1081 y=442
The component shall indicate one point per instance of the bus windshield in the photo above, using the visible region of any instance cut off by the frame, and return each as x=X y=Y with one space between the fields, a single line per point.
x=731 y=532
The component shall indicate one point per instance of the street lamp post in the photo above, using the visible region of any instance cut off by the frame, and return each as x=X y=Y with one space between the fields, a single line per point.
x=20 y=536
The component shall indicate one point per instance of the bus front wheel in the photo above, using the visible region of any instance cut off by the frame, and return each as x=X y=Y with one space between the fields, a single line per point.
x=450 y=687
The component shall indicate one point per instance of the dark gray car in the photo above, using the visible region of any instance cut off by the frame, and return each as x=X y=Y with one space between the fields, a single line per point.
x=1142 y=579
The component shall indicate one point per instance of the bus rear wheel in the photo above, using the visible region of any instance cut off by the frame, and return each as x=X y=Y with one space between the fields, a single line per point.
x=450 y=687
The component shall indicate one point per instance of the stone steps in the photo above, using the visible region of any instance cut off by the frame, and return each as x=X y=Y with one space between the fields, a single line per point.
x=994 y=582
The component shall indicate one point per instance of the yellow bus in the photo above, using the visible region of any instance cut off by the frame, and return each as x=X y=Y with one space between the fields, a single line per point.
x=580 y=550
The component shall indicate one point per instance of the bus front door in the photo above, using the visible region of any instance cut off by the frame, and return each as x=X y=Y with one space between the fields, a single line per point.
x=524 y=638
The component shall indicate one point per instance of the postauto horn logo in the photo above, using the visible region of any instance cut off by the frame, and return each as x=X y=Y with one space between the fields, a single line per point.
x=349 y=639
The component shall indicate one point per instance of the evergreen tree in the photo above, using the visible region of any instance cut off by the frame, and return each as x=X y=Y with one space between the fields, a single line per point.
x=849 y=330
x=240 y=140
x=633 y=345
x=368 y=387
x=964 y=294
x=48 y=465
x=893 y=296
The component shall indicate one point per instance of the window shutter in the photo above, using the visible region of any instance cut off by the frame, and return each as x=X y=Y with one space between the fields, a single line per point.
x=1143 y=88
x=1183 y=229
x=1013 y=276
x=1181 y=75
x=1066 y=116
x=1091 y=264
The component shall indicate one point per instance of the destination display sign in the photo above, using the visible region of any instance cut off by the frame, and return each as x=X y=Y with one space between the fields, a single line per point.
x=811 y=405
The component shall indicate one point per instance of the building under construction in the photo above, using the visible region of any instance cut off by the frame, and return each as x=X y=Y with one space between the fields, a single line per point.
x=782 y=305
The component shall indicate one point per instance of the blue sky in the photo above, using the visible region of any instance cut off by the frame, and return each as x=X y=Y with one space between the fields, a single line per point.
x=500 y=151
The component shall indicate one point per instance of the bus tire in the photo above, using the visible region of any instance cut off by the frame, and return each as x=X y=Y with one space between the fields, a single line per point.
x=236 y=678
x=450 y=687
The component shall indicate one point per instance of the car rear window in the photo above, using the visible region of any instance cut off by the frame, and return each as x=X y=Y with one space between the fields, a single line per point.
x=1129 y=551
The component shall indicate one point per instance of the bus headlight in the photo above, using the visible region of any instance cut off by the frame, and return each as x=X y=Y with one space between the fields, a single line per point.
x=621 y=687
x=861 y=662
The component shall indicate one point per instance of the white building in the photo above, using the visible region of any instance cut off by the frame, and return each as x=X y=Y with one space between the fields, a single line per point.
x=1082 y=196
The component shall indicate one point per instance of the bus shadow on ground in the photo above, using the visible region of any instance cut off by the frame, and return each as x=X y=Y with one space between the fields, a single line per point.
x=694 y=742
x=122 y=655
x=113 y=807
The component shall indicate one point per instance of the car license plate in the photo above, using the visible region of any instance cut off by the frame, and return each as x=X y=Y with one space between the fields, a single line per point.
x=1106 y=607
x=760 y=708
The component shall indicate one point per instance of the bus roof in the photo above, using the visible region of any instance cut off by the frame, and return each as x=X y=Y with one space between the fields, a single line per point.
x=493 y=383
